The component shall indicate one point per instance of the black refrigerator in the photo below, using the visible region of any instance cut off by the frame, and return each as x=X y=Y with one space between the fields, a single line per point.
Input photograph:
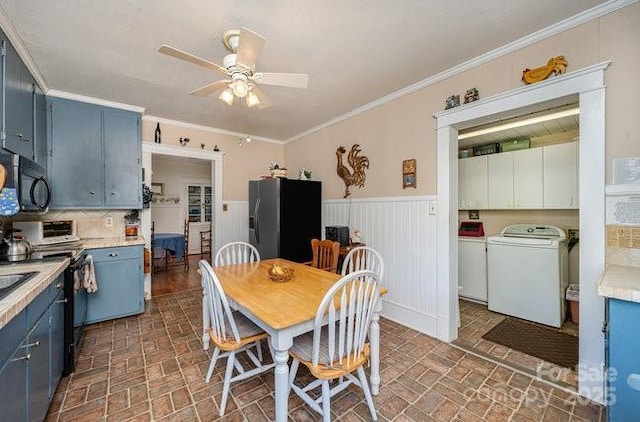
x=284 y=215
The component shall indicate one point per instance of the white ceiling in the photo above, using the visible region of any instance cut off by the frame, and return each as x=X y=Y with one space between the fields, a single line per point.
x=355 y=52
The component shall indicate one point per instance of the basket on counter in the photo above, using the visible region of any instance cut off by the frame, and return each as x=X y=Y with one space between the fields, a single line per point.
x=280 y=274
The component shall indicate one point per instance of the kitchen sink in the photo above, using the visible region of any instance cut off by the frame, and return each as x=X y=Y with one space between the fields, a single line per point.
x=10 y=282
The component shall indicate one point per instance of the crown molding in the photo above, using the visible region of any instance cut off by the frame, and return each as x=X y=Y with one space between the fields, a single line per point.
x=93 y=100
x=12 y=34
x=557 y=28
x=207 y=129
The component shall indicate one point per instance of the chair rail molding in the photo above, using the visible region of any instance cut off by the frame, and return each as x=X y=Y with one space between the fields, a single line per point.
x=588 y=88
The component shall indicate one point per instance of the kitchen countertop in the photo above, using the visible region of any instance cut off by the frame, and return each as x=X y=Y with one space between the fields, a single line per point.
x=111 y=242
x=620 y=282
x=14 y=303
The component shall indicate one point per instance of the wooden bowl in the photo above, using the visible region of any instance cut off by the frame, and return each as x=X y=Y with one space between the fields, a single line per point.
x=281 y=278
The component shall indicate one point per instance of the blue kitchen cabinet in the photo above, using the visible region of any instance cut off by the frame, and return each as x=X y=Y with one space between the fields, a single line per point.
x=13 y=369
x=623 y=362
x=19 y=87
x=40 y=127
x=75 y=162
x=56 y=340
x=122 y=159
x=95 y=156
x=37 y=346
x=31 y=356
x=120 y=279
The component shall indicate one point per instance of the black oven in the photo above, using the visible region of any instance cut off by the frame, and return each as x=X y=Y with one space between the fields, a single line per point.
x=75 y=311
x=29 y=179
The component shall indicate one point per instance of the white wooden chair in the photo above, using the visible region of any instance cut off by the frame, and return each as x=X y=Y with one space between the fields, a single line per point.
x=337 y=346
x=363 y=258
x=229 y=254
x=236 y=253
x=231 y=333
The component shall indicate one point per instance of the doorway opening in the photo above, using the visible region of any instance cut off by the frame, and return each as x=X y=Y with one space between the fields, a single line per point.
x=211 y=204
x=517 y=175
x=588 y=85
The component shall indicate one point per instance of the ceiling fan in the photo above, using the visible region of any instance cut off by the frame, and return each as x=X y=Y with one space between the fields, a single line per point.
x=239 y=66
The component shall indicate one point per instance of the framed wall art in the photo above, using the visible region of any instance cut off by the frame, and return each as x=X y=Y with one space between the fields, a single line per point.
x=409 y=175
x=157 y=189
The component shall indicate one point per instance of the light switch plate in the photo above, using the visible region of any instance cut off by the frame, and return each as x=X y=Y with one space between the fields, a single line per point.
x=433 y=209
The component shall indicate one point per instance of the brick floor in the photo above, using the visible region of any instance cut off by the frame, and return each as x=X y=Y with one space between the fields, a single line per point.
x=152 y=367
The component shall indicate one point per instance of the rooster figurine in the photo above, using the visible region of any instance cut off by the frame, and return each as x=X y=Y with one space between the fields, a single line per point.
x=358 y=164
x=556 y=65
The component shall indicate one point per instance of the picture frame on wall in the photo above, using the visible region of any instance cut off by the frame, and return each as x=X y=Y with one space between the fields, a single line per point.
x=157 y=189
x=409 y=174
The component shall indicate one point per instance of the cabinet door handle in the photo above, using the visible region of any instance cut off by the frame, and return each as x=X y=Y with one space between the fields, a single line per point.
x=112 y=254
x=26 y=139
x=60 y=285
x=19 y=135
x=34 y=344
x=92 y=192
x=25 y=357
x=113 y=192
x=61 y=301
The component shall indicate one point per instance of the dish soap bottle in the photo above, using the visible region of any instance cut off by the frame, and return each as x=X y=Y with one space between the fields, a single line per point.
x=157 y=139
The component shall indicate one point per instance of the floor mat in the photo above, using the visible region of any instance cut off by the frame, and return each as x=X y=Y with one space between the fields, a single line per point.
x=544 y=343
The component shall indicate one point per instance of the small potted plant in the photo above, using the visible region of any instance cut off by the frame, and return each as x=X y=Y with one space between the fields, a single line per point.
x=277 y=171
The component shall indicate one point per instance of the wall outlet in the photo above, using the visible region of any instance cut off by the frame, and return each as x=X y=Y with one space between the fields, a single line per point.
x=108 y=222
x=573 y=234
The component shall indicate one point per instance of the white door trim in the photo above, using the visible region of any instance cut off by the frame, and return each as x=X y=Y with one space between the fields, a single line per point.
x=216 y=158
x=586 y=85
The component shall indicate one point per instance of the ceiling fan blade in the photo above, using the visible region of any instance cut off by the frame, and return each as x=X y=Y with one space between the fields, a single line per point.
x=212 y=87
x=291 y=80
x=264 y=100
x=182 y=55
x=249 y=46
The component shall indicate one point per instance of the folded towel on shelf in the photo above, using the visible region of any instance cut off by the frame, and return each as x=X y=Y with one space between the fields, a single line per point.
x=89 y=276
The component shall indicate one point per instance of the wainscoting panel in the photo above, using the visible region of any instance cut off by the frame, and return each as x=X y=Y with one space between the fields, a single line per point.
x=235 y=223
x=404 y=232
x=401 y=229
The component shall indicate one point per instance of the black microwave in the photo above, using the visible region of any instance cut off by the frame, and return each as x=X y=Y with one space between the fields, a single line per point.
x=29 y=179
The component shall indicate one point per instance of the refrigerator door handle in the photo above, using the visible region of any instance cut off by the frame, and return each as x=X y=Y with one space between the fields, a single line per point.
x=257 y=220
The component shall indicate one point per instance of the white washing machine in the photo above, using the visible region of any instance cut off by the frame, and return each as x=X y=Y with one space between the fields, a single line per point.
x=527 y=273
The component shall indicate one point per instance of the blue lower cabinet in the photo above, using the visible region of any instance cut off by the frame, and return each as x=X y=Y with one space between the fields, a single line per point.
x=38 y=370
x=56 y=342
x=624 y=360
x=120 y=279
x=30 y=375
x=13 y=386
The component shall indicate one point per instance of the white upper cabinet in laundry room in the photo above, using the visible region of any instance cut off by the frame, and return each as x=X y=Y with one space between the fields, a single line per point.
x=500 y=179
x=561 y=176
x=515 y=179
x=527 y=178
x=472 y=183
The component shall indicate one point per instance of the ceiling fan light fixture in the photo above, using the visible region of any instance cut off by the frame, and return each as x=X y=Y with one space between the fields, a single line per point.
x=252 y=100
x=227 y=96
x=240 y=88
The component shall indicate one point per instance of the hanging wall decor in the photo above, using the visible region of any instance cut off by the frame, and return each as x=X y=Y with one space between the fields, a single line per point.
x=357 y=163
x=556 y=65
x=409 y=175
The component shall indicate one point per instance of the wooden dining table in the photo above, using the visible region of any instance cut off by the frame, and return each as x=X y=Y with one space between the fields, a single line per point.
x=285 y=310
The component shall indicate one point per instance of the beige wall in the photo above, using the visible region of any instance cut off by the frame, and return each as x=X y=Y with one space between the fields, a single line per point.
x=405 y=128
x=240 y=163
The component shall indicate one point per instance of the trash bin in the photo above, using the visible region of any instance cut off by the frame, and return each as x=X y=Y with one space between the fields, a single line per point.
x=573 y=298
